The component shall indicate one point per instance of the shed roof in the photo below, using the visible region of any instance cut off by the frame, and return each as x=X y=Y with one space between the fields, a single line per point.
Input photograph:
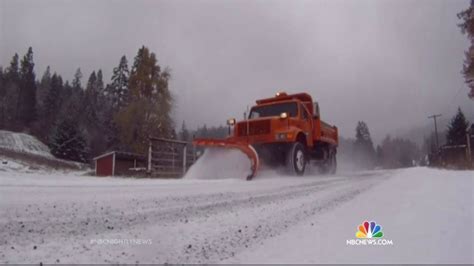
x=122 y=155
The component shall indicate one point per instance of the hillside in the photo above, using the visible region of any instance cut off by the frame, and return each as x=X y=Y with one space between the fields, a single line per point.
x=23 y=151
x=24 y=143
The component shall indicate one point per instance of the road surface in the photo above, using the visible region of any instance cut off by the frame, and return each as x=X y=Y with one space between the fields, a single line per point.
x=70 y=218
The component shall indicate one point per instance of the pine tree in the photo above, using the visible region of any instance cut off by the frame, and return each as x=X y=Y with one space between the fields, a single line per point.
x=76 y=82
x=117 y=91
x=456 y=134
x=12 y=93
x=44 y=87
x=68 y=141
x=102 y=103
x=90 y=100
x=184 y=133
x=13 y=71
x=116 y=94
x=74 y=105
x=148 y=112
x=467 y=27
x=91 y=87
x=100 y=83
x=52 y=103
x=66 y=92
x=96 y=116
x=27 y=99
x=101 y=107
x=363 y=146
x=3 y=93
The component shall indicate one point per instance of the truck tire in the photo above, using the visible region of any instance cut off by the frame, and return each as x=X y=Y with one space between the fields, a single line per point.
x=296 y=159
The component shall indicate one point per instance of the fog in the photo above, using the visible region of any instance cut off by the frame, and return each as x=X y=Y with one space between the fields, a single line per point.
x=389 y=63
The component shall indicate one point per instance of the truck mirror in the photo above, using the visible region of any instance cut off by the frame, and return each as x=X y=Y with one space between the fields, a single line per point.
x=315 y=109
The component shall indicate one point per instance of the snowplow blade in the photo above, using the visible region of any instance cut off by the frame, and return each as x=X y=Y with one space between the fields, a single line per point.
x=247 y=149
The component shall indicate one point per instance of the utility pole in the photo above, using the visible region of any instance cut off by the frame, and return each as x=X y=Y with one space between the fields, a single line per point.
x=436 y=129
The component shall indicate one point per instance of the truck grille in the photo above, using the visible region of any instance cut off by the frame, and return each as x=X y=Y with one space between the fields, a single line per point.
x=261 y=127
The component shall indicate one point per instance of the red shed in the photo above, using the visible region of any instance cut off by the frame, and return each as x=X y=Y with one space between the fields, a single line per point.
x=119 y=163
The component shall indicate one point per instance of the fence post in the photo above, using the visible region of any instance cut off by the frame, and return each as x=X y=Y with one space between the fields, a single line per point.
x=185 y=155
x=149 y=158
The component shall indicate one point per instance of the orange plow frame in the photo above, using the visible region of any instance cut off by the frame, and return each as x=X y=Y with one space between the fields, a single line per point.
x=231 y=144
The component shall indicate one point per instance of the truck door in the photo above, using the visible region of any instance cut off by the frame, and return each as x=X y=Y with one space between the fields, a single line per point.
x=306 y=125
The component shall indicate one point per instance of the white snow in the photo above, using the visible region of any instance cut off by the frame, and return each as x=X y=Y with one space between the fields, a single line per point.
x=218 y=163
x=56 y=217
x=22 y=142
x=427 y=213
x=6 y=164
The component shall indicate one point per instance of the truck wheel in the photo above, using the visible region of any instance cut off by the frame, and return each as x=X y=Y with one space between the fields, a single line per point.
x=296 y=159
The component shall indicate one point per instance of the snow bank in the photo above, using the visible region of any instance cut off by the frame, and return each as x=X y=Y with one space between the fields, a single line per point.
x=8 y=165
x=25 y=143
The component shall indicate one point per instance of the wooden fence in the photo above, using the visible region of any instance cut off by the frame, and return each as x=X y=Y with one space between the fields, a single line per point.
x=169 y=158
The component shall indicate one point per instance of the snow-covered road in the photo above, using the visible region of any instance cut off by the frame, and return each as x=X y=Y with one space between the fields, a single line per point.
x=67 y=218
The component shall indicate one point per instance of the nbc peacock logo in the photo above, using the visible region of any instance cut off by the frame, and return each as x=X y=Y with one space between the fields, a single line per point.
x=369 y=233
x=369 y=230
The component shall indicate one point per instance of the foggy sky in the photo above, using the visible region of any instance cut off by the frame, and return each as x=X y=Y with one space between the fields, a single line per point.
x=389 y=63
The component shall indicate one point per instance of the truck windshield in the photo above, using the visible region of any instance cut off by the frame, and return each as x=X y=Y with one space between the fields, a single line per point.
x=274 y=110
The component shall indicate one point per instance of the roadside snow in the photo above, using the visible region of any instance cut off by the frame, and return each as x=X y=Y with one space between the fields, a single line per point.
x=23 y=143
x=59 y=217
x=6 y=164
x=427 y=213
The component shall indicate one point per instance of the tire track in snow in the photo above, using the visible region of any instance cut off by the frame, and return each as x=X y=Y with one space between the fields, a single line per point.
x=72 y=219
x=266 y=212
x=244 y=234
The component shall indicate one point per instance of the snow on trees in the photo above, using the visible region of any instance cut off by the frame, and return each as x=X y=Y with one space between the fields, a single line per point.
x=456 y=134
x=149 y=105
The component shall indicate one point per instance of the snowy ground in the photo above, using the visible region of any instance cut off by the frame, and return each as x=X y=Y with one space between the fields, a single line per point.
x=66 y=218
x=25 y=143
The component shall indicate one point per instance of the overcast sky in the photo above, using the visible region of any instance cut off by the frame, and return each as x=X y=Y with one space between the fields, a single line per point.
x=389 y=63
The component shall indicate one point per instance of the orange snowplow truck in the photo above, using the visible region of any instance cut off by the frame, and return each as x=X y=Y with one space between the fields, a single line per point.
x=283 y=130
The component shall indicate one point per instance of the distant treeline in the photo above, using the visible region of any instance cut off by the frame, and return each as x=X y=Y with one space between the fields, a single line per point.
x=80 y=120
x=395 y=152
x=360 y=152
x=218 y=132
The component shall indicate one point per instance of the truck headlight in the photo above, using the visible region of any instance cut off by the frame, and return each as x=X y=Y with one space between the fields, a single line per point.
x=284 y=115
